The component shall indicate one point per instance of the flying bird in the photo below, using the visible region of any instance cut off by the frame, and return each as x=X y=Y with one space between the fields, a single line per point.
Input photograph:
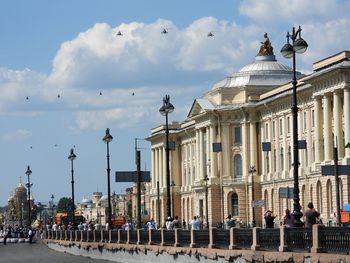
x=100 y=93
x=58 y=96
x=27 y=98
x=119 y=33
x=210 y=34
x=133 y=94
x=165 y=31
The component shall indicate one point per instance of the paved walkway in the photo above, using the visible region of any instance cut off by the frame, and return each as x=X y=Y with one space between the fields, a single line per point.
x=37 y=253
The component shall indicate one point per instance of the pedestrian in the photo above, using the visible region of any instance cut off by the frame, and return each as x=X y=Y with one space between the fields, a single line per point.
x=30 y=235
x=269 y=219
x=288 y=219
x=169 y=223
x=195 y=223
x=311 y=215
x=176 y=222
x=151 y=224
x=230 y=222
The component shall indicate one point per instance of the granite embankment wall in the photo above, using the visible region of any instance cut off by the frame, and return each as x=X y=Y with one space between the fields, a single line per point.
x=131 y=253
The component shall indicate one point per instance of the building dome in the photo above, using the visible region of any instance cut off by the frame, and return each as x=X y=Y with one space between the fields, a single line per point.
x=265 y=72
x=86 y=201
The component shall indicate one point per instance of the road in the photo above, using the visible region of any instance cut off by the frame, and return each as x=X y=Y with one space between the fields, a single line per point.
x=37 y=253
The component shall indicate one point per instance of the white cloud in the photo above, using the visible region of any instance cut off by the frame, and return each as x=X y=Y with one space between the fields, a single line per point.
x=282 y=11
x=184 y=63
x=18 y=135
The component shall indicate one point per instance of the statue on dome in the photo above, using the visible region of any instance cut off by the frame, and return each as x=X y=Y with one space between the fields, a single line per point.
x=265 y=49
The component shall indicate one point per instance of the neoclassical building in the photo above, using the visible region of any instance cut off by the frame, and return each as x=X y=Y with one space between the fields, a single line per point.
x=241 y=112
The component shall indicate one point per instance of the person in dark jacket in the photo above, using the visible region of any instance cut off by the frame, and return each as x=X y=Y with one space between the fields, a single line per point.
x=269 y=219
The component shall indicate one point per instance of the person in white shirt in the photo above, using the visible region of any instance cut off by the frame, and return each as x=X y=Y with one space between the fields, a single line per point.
x=195 y=223
x=151 y=224
x=169 y=224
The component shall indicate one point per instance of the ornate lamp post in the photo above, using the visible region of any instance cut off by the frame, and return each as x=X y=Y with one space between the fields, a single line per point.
x=29 y=185
x=165 y=110
x=107 y=139
x=298 y=45
x=72 y=157
x=252 y=170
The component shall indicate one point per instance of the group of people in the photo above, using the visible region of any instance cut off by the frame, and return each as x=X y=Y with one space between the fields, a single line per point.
x=311 y=217
x=16 y=232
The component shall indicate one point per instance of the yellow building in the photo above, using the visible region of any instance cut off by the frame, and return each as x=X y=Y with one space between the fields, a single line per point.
x=241 y=112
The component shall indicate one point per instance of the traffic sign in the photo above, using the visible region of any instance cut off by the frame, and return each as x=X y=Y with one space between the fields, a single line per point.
x=258 y=203
x=329 y=169
x=286 y=192
x=130 y=176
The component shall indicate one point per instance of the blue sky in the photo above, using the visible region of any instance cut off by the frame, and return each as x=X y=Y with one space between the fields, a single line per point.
x=71 y=48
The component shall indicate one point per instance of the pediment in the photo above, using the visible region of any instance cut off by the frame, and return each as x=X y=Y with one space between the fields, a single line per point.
x=199 y=106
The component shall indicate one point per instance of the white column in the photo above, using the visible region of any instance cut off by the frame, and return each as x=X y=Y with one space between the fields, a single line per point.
x=318 y=130
x=285 y=146
x=184 y=165
x=245 y=149
x=160 y=167
x=154 y=170
x=308 y=150
x=201 y=156
x=327 y=131
x=253 y=149
x=197 y=157
x=190 y=165
x=225 y=143
x=338 y=131
x=164 y=166
x=213 y=156
x=207 y=150
x=347 y=118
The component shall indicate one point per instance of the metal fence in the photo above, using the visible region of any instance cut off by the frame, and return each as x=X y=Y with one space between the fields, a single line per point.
x=269 y=239
x=244 y=237
x=298 y=239
x=334 y=239
x=221 y=238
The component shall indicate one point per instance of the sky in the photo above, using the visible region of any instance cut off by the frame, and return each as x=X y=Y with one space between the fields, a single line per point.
x=71 y=49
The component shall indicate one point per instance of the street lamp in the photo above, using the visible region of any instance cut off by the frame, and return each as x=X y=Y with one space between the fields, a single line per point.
x=107 y=139
x=28 y=173
x=206 y=179
x=298 y=45
x=72 y=157
x=252 y=170
x=165 y=110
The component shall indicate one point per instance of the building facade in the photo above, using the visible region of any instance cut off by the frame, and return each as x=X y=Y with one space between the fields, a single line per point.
x=241 y=112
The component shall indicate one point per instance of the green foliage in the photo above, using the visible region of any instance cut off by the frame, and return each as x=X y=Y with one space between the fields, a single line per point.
x=64 y=204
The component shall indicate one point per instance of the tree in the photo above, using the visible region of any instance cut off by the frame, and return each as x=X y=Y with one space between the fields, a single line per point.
x=64 y=204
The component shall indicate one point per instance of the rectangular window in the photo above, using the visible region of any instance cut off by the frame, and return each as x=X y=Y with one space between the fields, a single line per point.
x=281 y=127
x=313 y=118
x=288 y=125
x=237 y=135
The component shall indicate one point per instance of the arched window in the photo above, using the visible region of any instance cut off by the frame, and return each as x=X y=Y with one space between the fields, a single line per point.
x=237 y=164
x=234 y=204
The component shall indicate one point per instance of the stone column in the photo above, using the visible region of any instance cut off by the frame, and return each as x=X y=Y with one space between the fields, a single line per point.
x=338 y=131
x=226 y=149
x=201 y=156
x=207 y=161
x=327 y=131
x=347 y=118
x=245 y=150
x=184 y=163
x=154 y=181
x=160 y=167
x=198 y=163
x=213 y=159
x=164 y=166
x=253 y=148
x=318 y=130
